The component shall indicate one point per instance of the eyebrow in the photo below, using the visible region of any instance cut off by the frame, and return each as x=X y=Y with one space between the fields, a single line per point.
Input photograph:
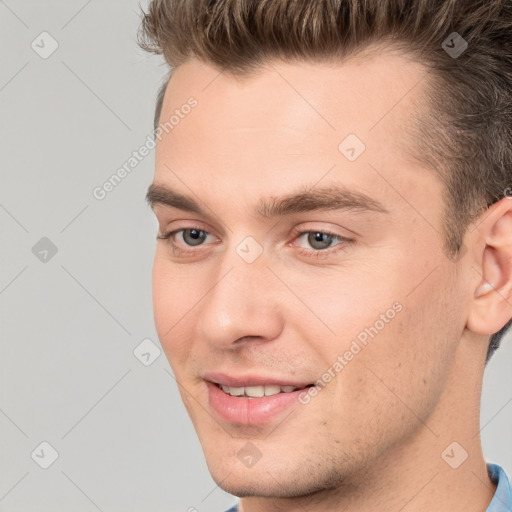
x=333 y=197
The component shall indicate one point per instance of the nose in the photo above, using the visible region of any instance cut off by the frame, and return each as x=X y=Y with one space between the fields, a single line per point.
x=242 y=305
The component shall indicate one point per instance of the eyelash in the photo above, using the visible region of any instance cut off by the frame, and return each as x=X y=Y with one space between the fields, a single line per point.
x=344 y=242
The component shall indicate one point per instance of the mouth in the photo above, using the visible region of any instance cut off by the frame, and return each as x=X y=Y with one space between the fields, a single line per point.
x=252 y=399
x=258 y=391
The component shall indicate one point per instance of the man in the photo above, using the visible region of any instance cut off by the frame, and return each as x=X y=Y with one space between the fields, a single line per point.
x=334 y=258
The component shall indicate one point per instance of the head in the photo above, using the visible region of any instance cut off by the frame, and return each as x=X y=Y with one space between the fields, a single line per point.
x=345 y=221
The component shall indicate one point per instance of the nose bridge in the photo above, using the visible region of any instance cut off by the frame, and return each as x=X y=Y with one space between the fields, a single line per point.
x=240 y=302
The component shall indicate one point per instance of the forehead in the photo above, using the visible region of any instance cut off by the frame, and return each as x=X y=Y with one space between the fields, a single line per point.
x=292 y=123
x=379 y=74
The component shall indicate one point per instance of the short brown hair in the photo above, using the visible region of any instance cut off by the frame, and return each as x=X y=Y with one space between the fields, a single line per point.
x=465 y=135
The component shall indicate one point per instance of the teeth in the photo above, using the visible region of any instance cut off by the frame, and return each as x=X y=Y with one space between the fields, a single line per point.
x=272 y=390
x=235 y=391
x=257 y=391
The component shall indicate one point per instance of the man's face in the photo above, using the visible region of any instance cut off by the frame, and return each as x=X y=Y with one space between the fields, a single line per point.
x=251 y=301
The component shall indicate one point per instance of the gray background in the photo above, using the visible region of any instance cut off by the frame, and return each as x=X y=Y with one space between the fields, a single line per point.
x=72 y=320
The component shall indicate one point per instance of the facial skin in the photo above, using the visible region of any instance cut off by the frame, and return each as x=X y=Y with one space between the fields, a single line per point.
x=372 y=438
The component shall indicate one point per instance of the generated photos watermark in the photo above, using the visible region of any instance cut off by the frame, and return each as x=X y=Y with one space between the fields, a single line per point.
x=101 y=191
x=357 y=345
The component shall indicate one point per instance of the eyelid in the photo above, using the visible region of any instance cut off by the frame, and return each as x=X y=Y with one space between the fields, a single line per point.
x=182 y=225
x=321 y=229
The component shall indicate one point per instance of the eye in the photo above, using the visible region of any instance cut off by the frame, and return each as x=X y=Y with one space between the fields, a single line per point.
x=191 y=237
x=321 y=242
x=319 y=239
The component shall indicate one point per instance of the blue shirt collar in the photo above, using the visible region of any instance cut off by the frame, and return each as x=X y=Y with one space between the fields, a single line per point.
x=502 y=499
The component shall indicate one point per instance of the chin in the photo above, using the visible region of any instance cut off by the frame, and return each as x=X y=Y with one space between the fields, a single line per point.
x=261 y=485
x=273 y=479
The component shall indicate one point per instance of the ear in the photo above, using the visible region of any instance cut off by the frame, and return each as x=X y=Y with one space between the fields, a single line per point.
x=491 y=303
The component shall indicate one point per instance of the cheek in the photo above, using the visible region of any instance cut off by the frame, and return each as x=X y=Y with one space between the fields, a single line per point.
x=171 y=301
x=350 y=305
x=410 y=360
x=163 y=300
x=397 y=341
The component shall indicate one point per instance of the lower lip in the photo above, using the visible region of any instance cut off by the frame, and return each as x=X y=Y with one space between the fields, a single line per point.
x=249 y=411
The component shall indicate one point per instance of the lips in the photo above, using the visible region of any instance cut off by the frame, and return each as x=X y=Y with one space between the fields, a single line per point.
x=251 y=400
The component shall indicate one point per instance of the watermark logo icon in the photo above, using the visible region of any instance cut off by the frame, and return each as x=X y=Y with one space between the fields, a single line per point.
x=454 y=455
x=454 y=45
x=146 y=352
x=249 y=455
x=44 y=250
x=44 y=45
x=249 y=249
x=44 y=455
x=351 y=147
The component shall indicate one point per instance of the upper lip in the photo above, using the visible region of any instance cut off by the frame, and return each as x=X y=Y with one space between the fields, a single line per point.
x=251 y=380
